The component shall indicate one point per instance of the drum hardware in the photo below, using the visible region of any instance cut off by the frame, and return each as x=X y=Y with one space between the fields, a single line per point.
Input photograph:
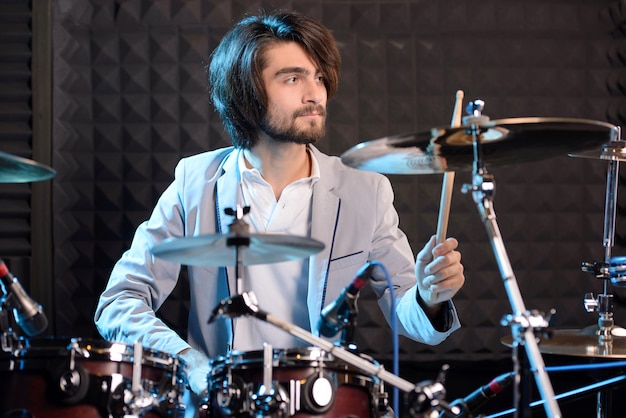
x=611 y=269
x=522 y=321
x=72 y=377
x=229 y=396
x=118 y=393
x=309 y=381
x=270 y=398
x=502 y=142
x=239 y=245
x=382 y=402
x=605 y=339
x=137 y=400
x=8 y=338
x=421 y=398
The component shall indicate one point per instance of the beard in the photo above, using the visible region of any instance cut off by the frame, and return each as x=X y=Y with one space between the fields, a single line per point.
x=284 y=128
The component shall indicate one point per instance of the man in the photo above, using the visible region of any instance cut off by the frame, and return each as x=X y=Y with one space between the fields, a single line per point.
x=270 y=79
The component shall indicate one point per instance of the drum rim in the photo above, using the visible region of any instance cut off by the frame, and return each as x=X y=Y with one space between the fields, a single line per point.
x=287 y=357
x=90 y=349
x=123 y=352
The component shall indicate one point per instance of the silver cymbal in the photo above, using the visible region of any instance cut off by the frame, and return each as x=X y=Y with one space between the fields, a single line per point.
x=582 y=343
x=14 y=169
x=221 y=249
x=611 y=151
x=503 y=142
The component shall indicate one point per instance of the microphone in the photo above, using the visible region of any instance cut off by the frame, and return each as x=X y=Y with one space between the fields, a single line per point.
x=480 y=396
x=28 y=314
x=334 y=315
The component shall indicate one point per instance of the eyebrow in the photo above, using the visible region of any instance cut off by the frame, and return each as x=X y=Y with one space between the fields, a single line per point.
x=295 y=70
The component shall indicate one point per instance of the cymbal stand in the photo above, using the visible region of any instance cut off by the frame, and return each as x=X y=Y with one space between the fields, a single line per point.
x=523 y=323
x=423 y=397
x=603 y=304
x=240 y=228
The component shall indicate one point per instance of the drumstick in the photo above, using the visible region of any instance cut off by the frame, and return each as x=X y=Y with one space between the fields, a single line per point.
x=448 y=178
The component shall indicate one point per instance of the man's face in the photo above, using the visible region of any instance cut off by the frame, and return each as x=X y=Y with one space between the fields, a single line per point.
x=296 y=95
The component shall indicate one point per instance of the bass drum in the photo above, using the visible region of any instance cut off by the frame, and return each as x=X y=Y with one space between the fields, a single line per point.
x=76 y=378
x=305 y=383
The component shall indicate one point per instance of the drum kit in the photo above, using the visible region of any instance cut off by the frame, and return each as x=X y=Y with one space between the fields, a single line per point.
x=54 y=377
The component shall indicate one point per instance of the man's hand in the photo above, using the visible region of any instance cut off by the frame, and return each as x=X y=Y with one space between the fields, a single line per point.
x=197 y=369
x=439 y=272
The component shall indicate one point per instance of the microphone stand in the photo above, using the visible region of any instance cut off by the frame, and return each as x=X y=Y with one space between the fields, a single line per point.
x=10 y=342
x=8 y=337
x=422 y=397
x=523 y=323
x=347 y=324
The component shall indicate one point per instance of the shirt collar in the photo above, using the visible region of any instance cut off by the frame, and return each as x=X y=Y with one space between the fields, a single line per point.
x=242 y=167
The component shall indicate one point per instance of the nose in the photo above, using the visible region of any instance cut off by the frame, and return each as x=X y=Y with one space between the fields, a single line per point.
x=314 y=92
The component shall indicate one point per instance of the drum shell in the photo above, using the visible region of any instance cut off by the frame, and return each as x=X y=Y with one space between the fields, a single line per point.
x=32 y=375
x=355 y=393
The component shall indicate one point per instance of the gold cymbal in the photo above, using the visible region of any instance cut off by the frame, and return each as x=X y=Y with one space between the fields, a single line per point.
x=503 y=142
x=221 y=249
x=582 y=343
x=14 y=169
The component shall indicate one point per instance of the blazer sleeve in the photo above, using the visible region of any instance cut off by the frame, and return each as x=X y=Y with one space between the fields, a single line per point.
x=139 y=282
x=390 y=247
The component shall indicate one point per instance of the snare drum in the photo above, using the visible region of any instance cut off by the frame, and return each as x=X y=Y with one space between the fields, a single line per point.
x=305 y=382
x=72 y=378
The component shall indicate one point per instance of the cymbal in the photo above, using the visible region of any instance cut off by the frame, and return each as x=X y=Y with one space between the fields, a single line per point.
x=611 y=151
x=503 y=142
x=582 y=343
x=220 y=249
x=15 y=169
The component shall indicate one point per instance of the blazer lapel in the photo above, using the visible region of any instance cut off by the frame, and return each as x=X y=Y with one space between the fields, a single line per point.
x=325 y=212
x=226 y=197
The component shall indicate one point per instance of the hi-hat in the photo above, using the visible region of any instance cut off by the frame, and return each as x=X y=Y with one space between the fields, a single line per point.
x=15 y=169
x=221 y=249
x=582 y=343
x=611 y=151
x=503 y=142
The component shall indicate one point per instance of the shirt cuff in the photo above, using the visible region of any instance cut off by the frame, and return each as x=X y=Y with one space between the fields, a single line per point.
x=442 y=321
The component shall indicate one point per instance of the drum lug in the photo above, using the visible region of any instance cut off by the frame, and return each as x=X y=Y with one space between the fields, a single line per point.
x=383 y=410
x=273 y=401
x=230 y=395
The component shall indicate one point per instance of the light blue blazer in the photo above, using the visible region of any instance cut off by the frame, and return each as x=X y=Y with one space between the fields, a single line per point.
x=352 y=214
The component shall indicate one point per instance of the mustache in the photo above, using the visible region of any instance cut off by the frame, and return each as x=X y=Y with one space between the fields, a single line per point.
x=319 y=109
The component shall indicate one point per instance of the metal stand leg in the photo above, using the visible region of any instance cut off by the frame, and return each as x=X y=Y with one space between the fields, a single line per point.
x=523 y=394
x=524 y=323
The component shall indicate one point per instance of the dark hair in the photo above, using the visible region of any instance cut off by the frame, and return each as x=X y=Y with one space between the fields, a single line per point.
x=235 y=71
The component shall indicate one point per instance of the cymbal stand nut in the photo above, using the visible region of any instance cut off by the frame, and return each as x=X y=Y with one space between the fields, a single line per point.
x=605 y=303
x=590 y=302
